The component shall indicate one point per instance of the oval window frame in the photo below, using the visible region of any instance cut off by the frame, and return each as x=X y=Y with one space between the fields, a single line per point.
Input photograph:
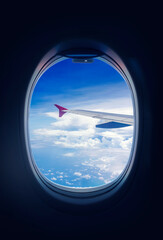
x=82 y=196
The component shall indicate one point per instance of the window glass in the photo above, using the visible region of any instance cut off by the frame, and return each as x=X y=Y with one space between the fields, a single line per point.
x=72 y=150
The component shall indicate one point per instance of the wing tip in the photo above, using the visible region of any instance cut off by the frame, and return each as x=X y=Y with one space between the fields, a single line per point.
x=61 y=110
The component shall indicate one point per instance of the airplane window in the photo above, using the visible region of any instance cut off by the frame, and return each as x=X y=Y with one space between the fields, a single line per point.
x=81 y=124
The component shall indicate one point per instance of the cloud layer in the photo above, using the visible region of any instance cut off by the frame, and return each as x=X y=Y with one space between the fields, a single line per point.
x=100 y=153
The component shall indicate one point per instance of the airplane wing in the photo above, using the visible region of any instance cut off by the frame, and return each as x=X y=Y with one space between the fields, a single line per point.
x=112 y=120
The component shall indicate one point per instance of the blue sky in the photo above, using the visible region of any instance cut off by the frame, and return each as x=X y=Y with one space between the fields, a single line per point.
x=71 y=151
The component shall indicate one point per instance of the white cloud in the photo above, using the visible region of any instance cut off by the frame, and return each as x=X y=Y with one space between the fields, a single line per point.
x=101 y=178
x=51 y=132
x=53 y=178
x=126 y=144
x=87 y=176
x=69 y=142
x=58 y=172
x=70 y=154
x=52 y=114
x=68 y=183
x=70 y=121
x=60 y=176
x=77 y=174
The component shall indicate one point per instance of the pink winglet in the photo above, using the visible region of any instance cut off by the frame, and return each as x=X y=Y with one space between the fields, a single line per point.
x=61 y=110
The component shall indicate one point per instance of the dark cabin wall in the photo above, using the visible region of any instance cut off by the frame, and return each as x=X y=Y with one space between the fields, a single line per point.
x=24 y=211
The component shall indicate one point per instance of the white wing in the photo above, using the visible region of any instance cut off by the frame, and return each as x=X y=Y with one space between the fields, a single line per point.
x=112 y=120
